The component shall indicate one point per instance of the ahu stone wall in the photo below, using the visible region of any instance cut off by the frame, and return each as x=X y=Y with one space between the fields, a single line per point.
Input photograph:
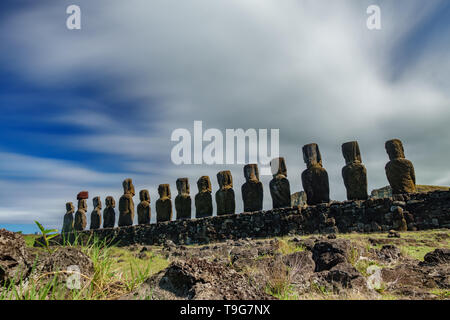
x=418 y=211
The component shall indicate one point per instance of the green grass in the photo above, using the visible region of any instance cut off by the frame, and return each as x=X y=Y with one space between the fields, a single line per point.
x=287 y=247
x=116 y=272
x=29 y=239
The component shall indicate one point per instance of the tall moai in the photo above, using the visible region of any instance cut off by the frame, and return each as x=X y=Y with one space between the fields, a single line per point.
x=280 y=189
x=183 y=202
x=164 y=204
x=109 y=214
x=203 y=199
x=252 y=189
x=80 y=216
x=354 y=172
x=68 y=218
x=315 y=177
x=225 y=198
x=399 y=171
x=96 y=214
x=143 y=208
x=126 y=204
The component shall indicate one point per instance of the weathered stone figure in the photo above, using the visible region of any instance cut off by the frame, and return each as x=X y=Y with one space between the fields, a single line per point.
x=354 y=173
x=225 y=195
x=68 y=218
x=143 y=208
x=183 y=200
x=399 y=171
x=96 y=215
x=280 y=189
x=252 y=189
x=164 y=204
x=203 y=199
x=80 y=216
x=109 y=214
x=315 y=177
x=126 y=204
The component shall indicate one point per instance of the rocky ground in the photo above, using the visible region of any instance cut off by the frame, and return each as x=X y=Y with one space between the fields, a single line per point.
x=409 y=265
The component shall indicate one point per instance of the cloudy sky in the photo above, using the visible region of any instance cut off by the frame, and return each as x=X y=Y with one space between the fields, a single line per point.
x=85 y=109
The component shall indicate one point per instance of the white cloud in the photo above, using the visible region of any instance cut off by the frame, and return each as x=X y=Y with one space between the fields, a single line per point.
x=310 y=68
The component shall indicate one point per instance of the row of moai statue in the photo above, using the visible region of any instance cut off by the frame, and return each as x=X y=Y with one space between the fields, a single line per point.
x=399 y=171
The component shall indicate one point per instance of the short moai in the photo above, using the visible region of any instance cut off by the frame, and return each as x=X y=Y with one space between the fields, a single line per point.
x=354 y=173
x=96 y=215
x=109 y=214
x=252 y=189
x=280 y=189
x=126 y=204
x=315 y=177
x=80 y=216
x=225 y=198
x=143 y=208
x=68 y=218
x=183 y=202
x=203 y=199
x=399 y=171
x=164 y=204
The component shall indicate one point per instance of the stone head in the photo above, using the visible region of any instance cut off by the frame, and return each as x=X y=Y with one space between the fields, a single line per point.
x=225 y=179
x=70 y=207
x=204 y=184
x=183 y=186
x=251 y=172
x=394 y=149
x=164 y=191
x=144 y=195
x=278 y=166
x=110 y=202
x=97 y=202
x=351 y=153
x=128 y=187
x=311 y=155
x=82 y=204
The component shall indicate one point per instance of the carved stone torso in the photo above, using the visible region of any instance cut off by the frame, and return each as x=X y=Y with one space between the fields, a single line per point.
x=225 y=200
x=252 y=195
x=68 y=222
x=280 y=191
x=80 y=216
x=401 y=176
x=316 y=185
x=164 y=204
x=109 y=214
x=183 y=202
x=355 y=181
x=143 y=208
x=126 y=210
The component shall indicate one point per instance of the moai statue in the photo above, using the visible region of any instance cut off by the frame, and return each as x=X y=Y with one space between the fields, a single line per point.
x=109 y=214
x=203 y=199
x=143 y=208
x=80 y=216
x=96 y=215
x=315 y=177
x=164 y=204
x=280 y=189
x=252 y=189
x=399 y=171
x=126 y=204
x=68 y=218
x=225 y=195
x=183 y=200
x=354 y=173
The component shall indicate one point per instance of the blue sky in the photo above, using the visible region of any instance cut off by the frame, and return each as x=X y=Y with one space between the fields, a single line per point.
x=85 y=109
